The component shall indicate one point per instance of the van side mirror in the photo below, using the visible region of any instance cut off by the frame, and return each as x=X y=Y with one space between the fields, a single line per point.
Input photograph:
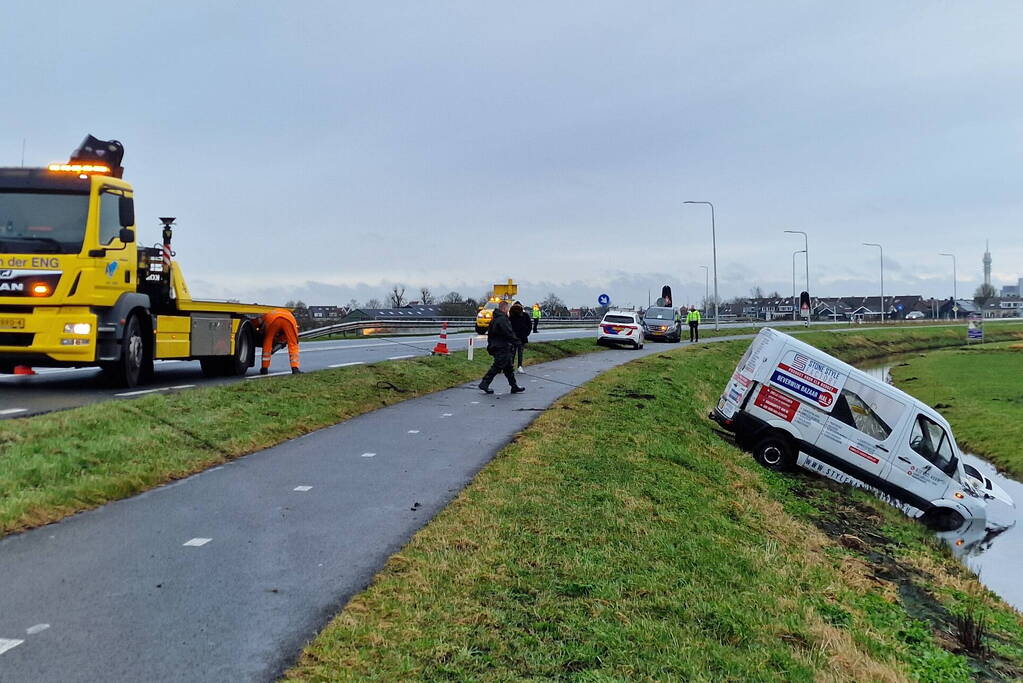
x=126 y=235
x=126 y=209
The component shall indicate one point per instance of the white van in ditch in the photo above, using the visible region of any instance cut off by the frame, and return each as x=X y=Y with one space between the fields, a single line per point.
x=792 y=404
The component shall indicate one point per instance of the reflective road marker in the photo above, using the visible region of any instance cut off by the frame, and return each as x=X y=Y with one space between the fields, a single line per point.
x=413 y=431
x=368 y=455
x=301 y=488
x=38 y=628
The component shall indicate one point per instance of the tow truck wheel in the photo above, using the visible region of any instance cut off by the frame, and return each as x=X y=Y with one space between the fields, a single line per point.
x=127 y=370
x=774 y=453
x=244 y=352
x=481 y=330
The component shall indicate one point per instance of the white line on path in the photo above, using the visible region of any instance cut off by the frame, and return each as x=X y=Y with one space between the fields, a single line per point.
x=196 y=542
x=345 y=365
x=368 y=455
x=302 y=488
x=413 y=431
x=38 y=628
x=475 y=403
x=411 y=355
x=184 y=386
x=446 y=415
x=13 y=411
x=140 y=392
x=270 y=374
x=8 y=643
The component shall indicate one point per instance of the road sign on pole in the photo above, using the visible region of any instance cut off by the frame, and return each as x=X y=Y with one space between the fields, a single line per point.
x=603 y=300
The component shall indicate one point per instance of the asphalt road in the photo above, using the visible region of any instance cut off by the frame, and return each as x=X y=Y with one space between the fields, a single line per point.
x=224 y=576
x=59 y=389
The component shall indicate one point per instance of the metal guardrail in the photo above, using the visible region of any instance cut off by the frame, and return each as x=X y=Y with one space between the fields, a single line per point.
x=374 y=327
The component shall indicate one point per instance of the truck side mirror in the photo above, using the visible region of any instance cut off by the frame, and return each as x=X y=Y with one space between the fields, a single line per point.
x=126 y=235
x=126 y=209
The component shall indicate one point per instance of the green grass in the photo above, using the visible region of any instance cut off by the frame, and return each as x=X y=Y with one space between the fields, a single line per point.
x=979 y=391
x=56 y=464
x=620 y=537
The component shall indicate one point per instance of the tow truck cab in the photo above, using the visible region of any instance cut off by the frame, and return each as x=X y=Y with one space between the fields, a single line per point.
x=67 y=260
x=793 y=404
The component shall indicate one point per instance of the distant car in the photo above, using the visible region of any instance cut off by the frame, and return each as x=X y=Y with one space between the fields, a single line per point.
x=915 y=315
x=621 y=328
x=662 y=324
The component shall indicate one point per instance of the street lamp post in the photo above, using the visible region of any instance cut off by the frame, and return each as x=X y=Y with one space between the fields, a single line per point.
x=706 y=283
x=955 y=304
x=806 y=252
x=875 y=244
x=795 y=304
x=714 y=248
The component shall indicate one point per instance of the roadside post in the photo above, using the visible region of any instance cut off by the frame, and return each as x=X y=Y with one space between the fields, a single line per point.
x=604 y=301
x=975 y=329
x=471 y=347
x=804 y=307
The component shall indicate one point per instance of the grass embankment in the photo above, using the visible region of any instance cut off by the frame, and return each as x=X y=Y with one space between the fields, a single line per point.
x=621 y=537
x=979 y=390
x=56 y=464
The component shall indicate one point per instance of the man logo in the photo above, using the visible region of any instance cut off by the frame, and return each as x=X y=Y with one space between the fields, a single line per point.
x=6 y=274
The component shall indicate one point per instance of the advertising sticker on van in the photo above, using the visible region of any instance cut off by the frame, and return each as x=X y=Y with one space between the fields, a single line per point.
x=809 y=379
x=777 y=403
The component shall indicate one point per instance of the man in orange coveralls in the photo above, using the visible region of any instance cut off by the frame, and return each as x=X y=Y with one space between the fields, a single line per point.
x=279 y=328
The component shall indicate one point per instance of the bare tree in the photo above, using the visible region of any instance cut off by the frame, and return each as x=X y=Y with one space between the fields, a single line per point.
x=553 y=305
x=984 y=294
x=426 y=296
x=374 y=303
x=352 y=304
x=452 y=298
x=756 y=292
x=397 y=296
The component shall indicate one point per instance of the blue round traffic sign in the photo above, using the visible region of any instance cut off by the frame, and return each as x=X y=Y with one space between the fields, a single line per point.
x=603 y=299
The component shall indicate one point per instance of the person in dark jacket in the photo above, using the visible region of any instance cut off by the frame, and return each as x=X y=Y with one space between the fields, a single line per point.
x=522 y=326
x=501 y=343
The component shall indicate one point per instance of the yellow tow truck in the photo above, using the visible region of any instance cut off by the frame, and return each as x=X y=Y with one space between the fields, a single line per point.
x=502 y=292
x=76 y=291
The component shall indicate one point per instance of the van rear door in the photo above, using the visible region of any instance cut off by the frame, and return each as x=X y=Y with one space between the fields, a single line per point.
x=923 y=463
x=862 y=430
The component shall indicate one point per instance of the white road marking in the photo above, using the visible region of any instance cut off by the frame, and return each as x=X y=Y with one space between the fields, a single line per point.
x=411 y=355
x=368 y=455
x=269 y=374
x=447 y=415
x=413 y=431
x=184 y=386
x=9 y=643
x=474 y=402
x=345 y=365
x=302 y=488
x=38 y=628
x=196 y=542
x=13 y=411
x=140 y=392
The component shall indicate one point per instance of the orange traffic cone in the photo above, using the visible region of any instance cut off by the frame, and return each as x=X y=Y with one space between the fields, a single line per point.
x=23 y=370
x=441 y=349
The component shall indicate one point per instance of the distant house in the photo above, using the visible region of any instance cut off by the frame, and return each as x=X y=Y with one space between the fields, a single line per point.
x=962 y=308
x=407 y=313
x=327 y=312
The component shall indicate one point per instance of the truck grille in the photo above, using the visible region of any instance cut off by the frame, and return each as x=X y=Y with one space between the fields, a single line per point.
x=16 y=338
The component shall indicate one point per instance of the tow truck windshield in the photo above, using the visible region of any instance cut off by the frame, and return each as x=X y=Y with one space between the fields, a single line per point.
x=42 y=222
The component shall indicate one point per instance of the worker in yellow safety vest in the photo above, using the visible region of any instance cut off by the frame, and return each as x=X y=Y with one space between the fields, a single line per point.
x=536 y=316
x=693 y=318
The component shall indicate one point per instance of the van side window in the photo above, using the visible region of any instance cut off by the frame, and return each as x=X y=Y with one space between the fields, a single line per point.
x=930 y=440
x=867 y=410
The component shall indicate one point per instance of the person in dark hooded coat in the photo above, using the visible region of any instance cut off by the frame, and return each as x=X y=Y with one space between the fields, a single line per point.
x=501 y=343
x=522 y=326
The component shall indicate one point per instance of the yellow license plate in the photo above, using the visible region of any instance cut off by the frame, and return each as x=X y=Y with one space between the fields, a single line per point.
x=12 y=323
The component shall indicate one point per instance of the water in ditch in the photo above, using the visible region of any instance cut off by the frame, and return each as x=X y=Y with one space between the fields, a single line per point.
x=992 y=549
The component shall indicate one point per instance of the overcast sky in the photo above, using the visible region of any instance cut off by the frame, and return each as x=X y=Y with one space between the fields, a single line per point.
x=323 y=150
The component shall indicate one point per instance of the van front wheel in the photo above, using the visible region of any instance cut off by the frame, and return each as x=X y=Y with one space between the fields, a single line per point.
x=774 y=453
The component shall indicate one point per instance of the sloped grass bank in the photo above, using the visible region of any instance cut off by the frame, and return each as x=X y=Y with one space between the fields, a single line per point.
x=60 y=463
x=979 y=389
x=622 y=537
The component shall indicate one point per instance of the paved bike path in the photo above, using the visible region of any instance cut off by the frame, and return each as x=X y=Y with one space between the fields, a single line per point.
x=225 y=575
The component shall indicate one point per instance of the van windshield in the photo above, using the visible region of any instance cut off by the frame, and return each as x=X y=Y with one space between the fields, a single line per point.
x=659 y=314
x=42 y=222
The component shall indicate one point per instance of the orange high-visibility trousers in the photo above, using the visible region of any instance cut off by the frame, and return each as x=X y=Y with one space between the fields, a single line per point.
x=280 y=327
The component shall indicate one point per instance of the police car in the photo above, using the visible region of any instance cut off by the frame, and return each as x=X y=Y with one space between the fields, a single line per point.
x=621 y=328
